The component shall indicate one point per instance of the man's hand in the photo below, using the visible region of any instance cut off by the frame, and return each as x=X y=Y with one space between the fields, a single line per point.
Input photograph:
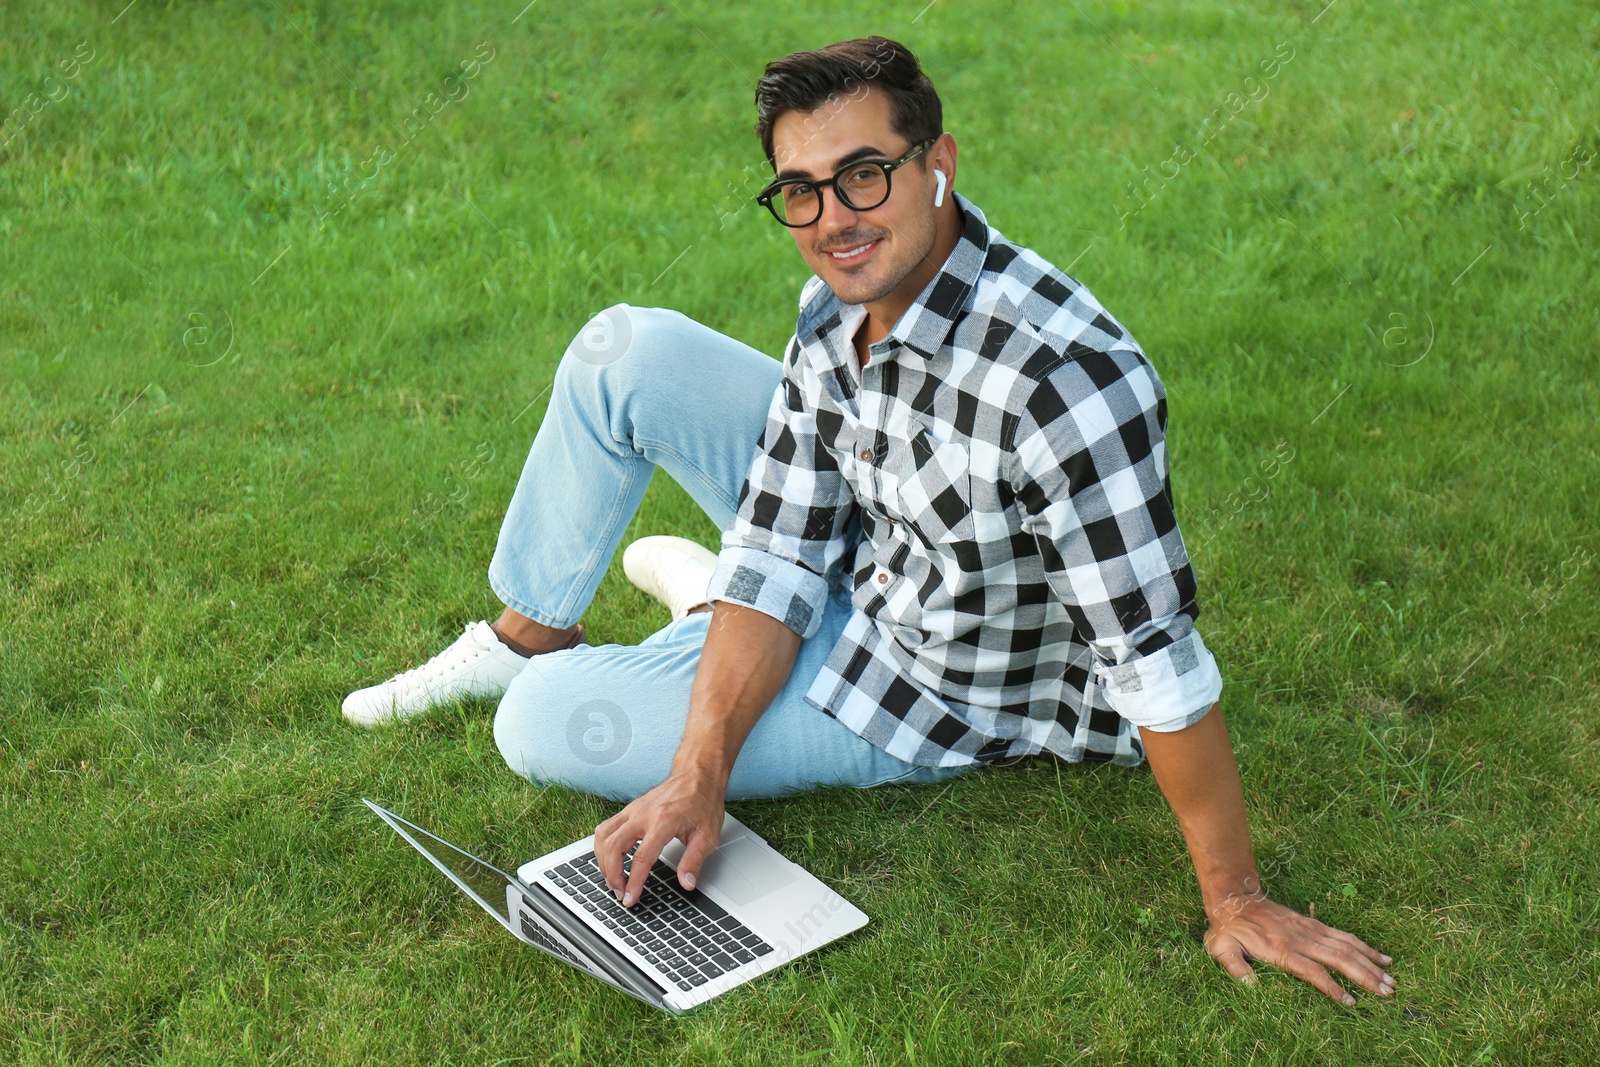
x=683 y=807
x=1198 y=775
x=1252 y=926
x=746 y=659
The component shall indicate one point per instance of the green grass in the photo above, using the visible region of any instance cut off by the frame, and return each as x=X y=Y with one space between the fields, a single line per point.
x=249 y=462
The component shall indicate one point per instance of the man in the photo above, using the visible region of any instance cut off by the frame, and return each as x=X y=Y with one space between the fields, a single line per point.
x=953 y=538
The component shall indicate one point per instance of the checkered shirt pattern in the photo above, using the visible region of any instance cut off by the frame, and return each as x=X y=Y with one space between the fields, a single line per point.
x=996 y=483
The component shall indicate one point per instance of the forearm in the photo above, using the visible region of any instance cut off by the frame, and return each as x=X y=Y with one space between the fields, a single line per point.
x=1196 y=771
x=747 y=658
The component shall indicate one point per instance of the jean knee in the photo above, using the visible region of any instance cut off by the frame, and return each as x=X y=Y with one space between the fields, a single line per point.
x=625 y=340
x=551 y=727
x=525 y=722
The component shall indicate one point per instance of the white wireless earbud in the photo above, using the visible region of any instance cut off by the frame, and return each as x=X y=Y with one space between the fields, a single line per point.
x=938 y=188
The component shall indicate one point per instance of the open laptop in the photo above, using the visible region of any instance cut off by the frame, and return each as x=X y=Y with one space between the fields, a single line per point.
x=751 y=911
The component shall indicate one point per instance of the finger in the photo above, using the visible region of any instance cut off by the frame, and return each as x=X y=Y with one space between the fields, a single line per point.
x=1229 y=953
x=1381 y=958
x=1340 y=953
x=612 y=838
x=1309 y=970
x=1352 y=956
x=695 y=850
x=644 y=857
x=699 y=837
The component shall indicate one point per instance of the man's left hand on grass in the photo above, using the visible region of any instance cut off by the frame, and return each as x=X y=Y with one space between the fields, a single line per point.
x=1253 y=926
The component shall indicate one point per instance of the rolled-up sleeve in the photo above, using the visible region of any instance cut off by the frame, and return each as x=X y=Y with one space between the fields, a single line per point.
x=1089 y=470
x=794 y=508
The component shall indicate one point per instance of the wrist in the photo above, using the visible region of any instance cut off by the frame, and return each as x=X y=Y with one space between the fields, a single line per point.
x=1226 y=900
x=702 y=770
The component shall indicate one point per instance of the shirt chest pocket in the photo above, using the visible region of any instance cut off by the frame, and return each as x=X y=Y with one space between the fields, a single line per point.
x=934 y=480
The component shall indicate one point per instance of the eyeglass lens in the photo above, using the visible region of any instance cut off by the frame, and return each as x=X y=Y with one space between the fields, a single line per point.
x=861 y=187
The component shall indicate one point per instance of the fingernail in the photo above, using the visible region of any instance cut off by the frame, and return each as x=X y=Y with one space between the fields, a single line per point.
x=1349 y=1001
x=688 y=880
x=1385 y=958
x=627 y=901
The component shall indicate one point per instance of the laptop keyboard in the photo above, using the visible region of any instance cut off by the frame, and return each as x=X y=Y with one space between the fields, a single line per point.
x=539 y=937
x=686 y=936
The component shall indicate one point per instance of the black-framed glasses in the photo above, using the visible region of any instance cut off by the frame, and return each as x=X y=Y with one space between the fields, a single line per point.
x=862 y=186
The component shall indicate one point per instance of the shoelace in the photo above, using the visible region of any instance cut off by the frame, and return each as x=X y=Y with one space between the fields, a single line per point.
x=454 y=656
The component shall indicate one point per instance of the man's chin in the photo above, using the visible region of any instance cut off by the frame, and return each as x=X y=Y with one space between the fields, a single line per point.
x=855 y=288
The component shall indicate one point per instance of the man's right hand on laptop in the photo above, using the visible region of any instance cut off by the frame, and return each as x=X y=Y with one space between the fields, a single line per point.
x=747 y=657
x=687 y=807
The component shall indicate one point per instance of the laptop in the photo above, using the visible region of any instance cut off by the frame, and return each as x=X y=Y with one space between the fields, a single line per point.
x=751 y=912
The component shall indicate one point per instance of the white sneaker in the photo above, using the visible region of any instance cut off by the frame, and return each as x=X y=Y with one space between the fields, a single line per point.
x=476 y=664
x=674 y=570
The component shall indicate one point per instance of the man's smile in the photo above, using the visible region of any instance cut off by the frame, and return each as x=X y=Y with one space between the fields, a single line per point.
x=848 y=257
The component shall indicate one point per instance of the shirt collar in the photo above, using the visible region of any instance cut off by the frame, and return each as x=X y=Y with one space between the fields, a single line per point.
x=927 y=323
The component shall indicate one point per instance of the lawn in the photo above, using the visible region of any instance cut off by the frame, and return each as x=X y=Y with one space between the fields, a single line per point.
x=283 y=287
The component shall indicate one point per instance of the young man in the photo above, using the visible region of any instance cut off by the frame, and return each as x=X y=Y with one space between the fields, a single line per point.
x=949 y=540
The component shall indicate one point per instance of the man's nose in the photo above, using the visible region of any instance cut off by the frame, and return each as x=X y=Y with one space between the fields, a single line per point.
x=836 y=217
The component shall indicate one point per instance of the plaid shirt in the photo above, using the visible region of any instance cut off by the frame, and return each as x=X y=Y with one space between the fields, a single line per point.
x=996 y=480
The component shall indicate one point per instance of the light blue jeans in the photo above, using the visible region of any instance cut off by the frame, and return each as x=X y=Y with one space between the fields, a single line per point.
x=637 y=389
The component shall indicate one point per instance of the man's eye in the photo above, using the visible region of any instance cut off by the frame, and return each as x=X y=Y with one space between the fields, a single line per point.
x=801 y=190
x=864 y=174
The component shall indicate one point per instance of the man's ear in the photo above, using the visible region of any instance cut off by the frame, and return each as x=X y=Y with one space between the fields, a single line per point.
x=942 y=158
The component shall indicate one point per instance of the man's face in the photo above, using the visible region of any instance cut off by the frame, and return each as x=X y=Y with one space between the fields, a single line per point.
x=898 y=234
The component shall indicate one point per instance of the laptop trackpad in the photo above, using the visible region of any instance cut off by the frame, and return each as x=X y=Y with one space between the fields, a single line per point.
x=744 y=870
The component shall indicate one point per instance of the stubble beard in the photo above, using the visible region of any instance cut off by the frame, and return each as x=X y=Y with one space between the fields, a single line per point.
x=924 y=245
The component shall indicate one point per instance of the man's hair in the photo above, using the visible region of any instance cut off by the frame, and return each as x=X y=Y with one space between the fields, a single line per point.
x=806 y=81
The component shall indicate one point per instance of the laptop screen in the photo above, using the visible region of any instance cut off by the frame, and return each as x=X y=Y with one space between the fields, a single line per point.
x=486 y=884
x=481 y=881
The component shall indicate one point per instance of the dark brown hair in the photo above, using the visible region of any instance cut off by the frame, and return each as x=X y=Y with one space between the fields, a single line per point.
x=804 y=81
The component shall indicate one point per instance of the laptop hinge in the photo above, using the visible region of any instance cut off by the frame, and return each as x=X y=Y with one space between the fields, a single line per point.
x=623 y=970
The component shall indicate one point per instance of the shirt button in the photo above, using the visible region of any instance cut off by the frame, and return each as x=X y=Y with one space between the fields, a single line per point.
x=883 y=579
x=866 y=454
